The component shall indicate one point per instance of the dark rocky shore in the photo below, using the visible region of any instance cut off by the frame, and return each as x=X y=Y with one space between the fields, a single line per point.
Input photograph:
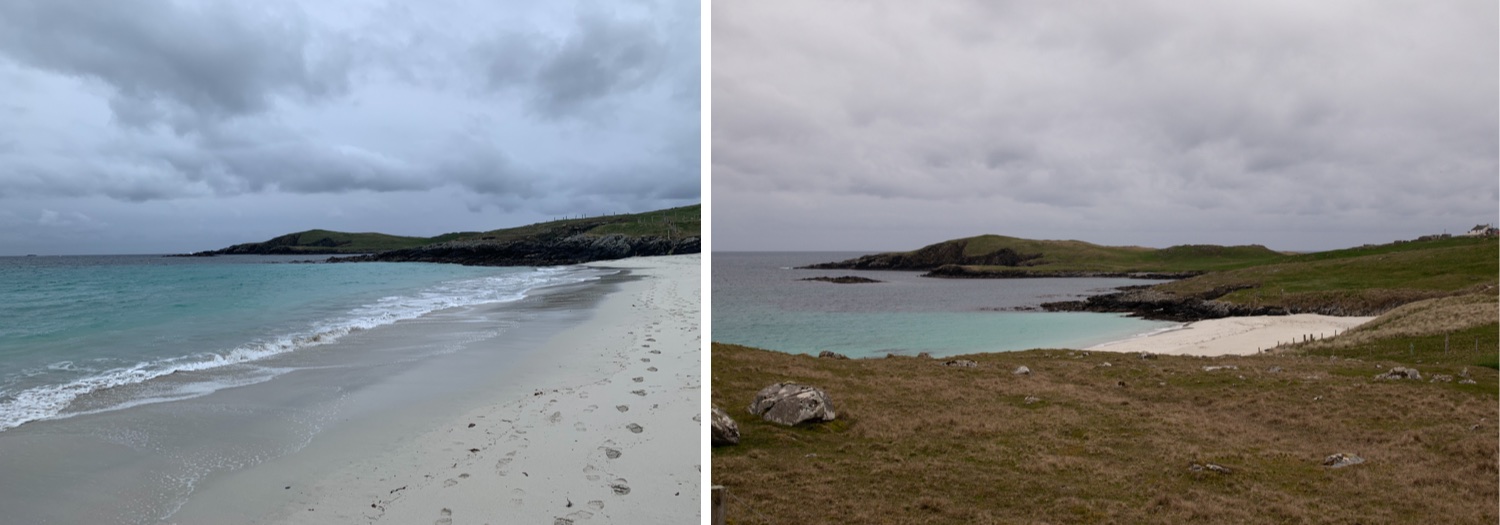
x=574 y=249
x=1142 y=301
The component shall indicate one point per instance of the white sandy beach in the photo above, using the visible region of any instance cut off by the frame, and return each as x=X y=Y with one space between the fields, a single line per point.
x=608 y=432
x=1235 y=335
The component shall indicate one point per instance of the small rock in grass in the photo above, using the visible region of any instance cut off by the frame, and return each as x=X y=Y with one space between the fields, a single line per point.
x=1022 y=370
x=1341 y=460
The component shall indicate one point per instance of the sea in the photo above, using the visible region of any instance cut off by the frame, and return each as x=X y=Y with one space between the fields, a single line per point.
x=125 y=381
x=761 y=299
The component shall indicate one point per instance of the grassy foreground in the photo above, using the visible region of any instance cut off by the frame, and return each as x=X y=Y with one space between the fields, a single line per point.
x=1077 y=441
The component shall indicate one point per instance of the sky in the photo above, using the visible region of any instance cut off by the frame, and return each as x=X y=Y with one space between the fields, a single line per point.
x=162 y=126
x=889 y=125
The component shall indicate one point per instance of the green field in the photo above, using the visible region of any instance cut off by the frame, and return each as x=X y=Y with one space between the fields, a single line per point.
x=1074 y=256
x=1374 y=278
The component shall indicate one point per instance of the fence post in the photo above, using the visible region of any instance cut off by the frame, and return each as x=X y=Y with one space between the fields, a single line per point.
x=718 y=505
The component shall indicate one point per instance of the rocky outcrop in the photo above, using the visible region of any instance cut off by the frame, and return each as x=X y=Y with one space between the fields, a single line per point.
x=574 y=249
x=791 y=404
x=1161 y=306
x=930 y=257
x=1400 y=372
x=843 y=279
x=725 y=430
x=828 y=354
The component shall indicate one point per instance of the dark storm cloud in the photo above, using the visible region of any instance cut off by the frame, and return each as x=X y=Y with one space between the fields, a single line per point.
x=167 y=61
x=1228 y=113
x=511 y=109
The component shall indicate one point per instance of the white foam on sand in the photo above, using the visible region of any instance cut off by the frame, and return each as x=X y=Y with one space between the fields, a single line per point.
x=1236 y=335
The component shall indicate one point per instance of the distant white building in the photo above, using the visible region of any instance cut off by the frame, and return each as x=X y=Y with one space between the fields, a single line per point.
x=1482 y=230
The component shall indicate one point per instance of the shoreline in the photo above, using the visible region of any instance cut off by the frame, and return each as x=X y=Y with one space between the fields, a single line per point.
x=599 y=415
x=1245 y=335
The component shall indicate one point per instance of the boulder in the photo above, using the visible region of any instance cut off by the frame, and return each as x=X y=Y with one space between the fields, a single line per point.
x=791 y=403
x=1341 y=460
x=961 y=363
x=1400 y=372
x=826 y=354
x=725 y=430
x=1022 y=370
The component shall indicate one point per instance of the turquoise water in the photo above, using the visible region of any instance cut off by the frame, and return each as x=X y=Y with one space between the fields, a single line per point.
x=73 y=328
x=760 y=300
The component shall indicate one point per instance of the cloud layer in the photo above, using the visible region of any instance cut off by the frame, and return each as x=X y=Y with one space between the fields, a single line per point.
x=1294 y=125
x=512 y=111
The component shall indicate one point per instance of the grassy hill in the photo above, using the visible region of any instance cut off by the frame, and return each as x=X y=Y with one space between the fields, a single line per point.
x=1368 y=278
x=672 y=223
x=1002 y=256
x=1059 y=256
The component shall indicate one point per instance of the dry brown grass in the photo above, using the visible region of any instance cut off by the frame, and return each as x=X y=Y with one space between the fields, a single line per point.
x=1433 y=316
x=921 y=443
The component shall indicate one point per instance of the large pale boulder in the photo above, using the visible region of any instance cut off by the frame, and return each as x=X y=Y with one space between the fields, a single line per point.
x=791 y=403
x=725 y=430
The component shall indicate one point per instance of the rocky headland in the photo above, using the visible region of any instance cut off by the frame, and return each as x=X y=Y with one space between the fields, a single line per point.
x=574 y=249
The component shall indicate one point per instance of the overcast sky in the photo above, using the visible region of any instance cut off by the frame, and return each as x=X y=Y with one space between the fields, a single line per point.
x=168 y=126
x=889 y=125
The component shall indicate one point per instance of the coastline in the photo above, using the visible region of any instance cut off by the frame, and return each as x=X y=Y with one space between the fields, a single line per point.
x=554 y=437
x=1234 y=335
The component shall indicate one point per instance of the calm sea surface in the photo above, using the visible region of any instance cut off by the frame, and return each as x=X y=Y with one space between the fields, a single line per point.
x=759 y=300
x=98 y=333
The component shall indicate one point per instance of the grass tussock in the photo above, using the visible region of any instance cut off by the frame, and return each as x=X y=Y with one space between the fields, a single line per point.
x=917 y=442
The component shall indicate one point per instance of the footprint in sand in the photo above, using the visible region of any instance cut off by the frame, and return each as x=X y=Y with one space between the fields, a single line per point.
x=611 y=453
x=503 y=466
x=637 y=379
x=622 y=408
x=580 y=515
x=641 y=393
x=519 y=494
x=555 y=417
x=656 y=351
x=589 y=472
x=652 y=369
x=596 y=504
x=635 y=428
x=645 y=360
x=650 y=339
x=580 y=427
x=446 y=518
x=619 y=486
x=449 y=482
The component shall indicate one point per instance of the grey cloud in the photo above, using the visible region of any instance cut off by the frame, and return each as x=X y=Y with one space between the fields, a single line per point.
x=603 y=58
x=169 y=62
x=1246 y=110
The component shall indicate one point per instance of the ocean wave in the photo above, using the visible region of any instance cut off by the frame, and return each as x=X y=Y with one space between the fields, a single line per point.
x=53 y=401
